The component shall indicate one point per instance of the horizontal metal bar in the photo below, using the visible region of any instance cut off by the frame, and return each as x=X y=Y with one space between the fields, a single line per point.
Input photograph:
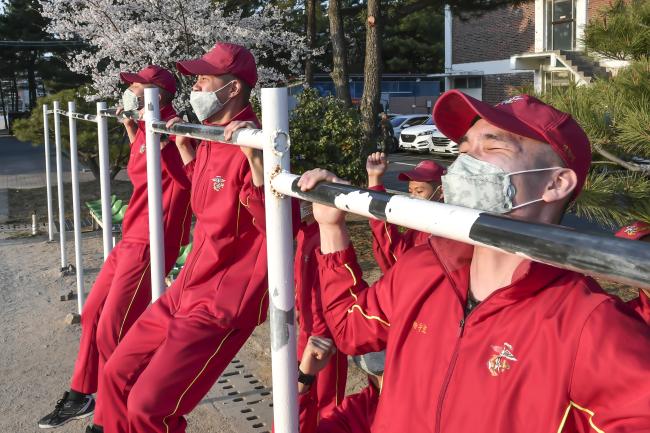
x=80 y=116
x=111 y=112
x=606 y=256
x=242 y=137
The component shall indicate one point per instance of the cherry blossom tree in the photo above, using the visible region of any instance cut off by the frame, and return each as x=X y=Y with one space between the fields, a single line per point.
x=127 y=35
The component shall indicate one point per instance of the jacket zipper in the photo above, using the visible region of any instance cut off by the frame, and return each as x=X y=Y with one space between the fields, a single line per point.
x=199 y=179
x=450 y=370
x=454 y=358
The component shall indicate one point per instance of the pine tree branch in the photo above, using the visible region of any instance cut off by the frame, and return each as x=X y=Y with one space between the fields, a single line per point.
x=628 y=165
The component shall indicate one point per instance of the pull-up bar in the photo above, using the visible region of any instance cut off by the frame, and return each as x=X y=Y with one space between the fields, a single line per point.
x=623 y=260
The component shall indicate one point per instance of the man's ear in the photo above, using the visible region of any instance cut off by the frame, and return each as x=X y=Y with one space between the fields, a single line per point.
x=561 y=185
x=236 y=89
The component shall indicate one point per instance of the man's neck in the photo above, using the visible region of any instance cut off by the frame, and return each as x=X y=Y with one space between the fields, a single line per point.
x=490 y=270
x=227 y=113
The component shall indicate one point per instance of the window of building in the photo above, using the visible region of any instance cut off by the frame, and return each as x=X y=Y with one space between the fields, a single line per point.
x=467 y=83
x=560 y=24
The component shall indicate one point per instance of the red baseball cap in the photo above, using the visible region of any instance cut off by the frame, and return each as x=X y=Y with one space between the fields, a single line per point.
x=454 y=114
x=425 y=171
x=223 y=59
x=152 y=74
x=635 y=231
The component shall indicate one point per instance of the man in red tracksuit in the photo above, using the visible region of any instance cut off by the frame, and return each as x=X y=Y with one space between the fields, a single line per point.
x=388 y=242
x=328 y=387
x=178 y=348
x=638 y=231
x=122 y=289
x=478 y=340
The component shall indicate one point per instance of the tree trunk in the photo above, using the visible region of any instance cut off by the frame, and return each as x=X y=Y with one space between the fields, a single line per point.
x=339 y=53
x=372 y=79
x=31 y=82
x=5 y=109
x=310 y=10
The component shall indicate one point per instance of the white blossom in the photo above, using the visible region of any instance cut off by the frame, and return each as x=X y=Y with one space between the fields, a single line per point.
x=127 y=35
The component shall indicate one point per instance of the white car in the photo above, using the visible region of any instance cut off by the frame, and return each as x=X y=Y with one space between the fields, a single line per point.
x=404 y=121
x=426 y=138
x=441 y=144
x=416 y=138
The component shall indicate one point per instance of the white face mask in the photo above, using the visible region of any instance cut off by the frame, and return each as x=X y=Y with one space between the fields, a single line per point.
x=130 y=101
x=205 y=104
x=477 y=184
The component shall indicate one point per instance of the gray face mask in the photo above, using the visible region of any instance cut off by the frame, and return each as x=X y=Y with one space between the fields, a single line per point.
x=131 y=101
x=477 y=184
x=205 y=104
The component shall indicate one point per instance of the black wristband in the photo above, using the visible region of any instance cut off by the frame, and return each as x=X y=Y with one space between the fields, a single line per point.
x=305 y=379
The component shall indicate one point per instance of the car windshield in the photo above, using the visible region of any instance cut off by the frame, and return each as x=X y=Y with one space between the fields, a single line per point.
x=397 y=121
x=429 y=121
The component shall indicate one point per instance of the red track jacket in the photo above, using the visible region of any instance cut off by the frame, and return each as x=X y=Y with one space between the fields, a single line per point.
x=225 y=274
x=389 y=243
x=177 y=213
x=551 y=352
x=641 y=306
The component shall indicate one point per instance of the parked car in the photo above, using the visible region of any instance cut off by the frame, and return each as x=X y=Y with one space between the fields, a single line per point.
x=404 y=121
x=442 y=145
x=417 y=138
x=426 y=138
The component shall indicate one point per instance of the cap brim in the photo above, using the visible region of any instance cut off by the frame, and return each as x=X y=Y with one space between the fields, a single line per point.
x=197 y=67
x=416 y=176
x=130 y=77
x=454 y=114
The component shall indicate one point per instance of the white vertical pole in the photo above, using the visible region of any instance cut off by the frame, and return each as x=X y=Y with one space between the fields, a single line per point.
x=48 y=171
x=449 y=20
x=275 y=124
x=154 y=197
x=76 y=207
x=59 y=182
x=104 y=179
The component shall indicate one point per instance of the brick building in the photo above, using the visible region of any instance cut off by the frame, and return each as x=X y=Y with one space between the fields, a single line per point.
x=536 y=45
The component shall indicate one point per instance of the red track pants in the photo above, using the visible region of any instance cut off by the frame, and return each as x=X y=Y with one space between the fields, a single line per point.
x=122 y=291
x=354 y=415
x=164 y=367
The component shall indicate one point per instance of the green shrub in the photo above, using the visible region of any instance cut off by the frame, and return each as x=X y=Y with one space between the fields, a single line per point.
x=326 y=134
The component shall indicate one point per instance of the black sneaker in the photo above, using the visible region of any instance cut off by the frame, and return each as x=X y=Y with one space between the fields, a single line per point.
x=94 y=429
x=67 y=410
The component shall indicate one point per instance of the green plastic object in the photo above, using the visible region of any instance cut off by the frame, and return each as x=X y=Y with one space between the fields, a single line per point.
x=119 y=216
